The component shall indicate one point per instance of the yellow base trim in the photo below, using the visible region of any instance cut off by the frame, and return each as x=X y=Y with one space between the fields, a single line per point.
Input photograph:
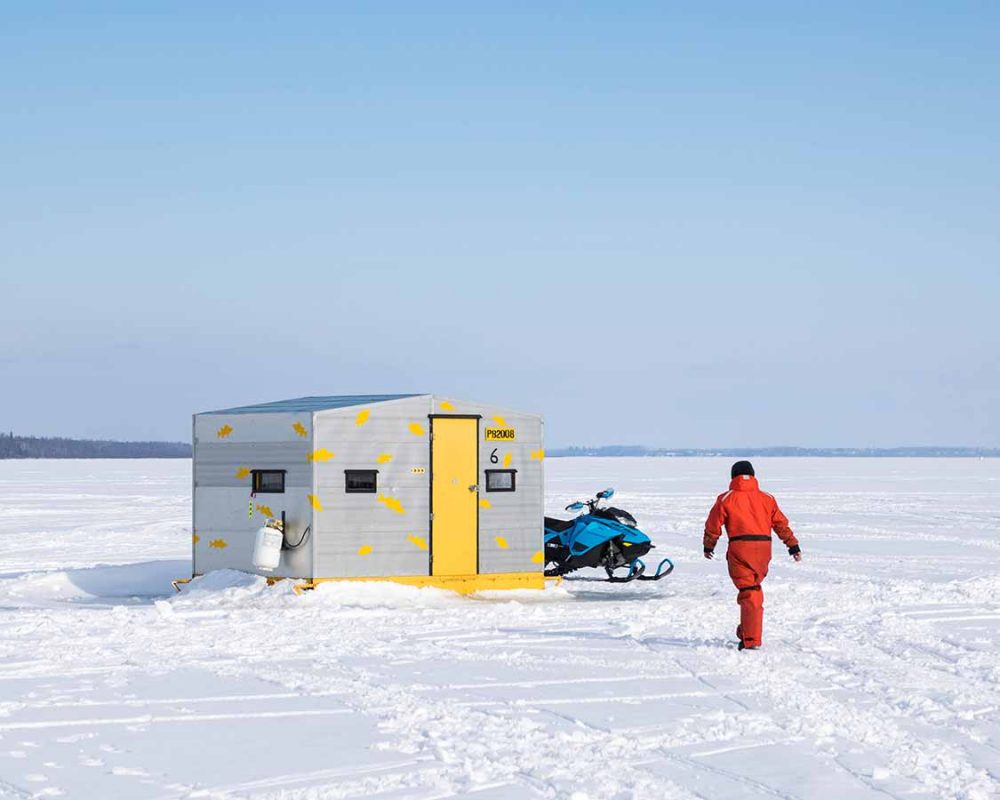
x=178 y=582
x=463 y=584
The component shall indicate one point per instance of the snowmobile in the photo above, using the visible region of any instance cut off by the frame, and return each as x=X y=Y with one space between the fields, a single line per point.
x=603 y=536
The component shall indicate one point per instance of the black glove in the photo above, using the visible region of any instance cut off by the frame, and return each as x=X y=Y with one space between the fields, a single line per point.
x=794 y=551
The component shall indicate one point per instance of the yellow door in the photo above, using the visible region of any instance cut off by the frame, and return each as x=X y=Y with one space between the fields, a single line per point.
x=454 y=496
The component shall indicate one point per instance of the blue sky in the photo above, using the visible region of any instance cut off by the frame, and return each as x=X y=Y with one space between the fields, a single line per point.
x=743 y=224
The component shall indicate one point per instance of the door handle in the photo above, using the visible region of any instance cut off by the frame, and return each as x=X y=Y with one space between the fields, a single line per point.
x=474 y=487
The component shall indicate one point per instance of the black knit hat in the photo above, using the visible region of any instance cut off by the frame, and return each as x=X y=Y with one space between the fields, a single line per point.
x=741 y=468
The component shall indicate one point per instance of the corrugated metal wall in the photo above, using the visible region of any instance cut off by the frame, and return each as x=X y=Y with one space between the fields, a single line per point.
x=388 y=533
x=226 y=448
x=385 y=533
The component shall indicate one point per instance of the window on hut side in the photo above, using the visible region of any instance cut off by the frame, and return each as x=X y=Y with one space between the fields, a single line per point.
x=501 y=480
x=269 y=481
x=360 y=481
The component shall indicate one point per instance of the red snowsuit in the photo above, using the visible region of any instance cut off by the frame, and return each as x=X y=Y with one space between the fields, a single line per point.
x=749 y=515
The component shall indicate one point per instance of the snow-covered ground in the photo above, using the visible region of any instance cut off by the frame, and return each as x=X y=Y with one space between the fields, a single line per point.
x=880 y=674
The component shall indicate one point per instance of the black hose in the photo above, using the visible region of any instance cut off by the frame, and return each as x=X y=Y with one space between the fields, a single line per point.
x=305 y=535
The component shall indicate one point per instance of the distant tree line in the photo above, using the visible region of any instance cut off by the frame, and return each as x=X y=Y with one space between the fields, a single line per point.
x=12 y=446
x=783 y=452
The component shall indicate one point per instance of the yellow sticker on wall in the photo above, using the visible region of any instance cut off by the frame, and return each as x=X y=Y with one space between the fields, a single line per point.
x=218 y=544
x=314 y=502
x=484 y=503
x=507 y=459
x=538 y=455
x=300 y=429
x=416 y=429
x=364 y=550
x=419 y=541
x=385 y=458
x=392 y=502
x=362 y=417
x=501 y=543
x=320 y=455
x=418 y=470
x=266 y=511
x=446 y=406
x=538 y=557
x=224 y=431
x=242 y=472
x=500 y=434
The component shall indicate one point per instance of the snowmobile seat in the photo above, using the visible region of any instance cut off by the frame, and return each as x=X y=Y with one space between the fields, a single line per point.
x=558 y=525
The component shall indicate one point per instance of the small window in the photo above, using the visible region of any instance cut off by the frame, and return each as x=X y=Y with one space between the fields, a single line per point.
x=269 y=481
x=500 y=480
x=360 y=481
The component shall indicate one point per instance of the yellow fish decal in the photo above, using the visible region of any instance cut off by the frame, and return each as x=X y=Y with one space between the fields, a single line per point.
x=320 y=455
x=195 y=538
x=500 y=421
x=224 y=431
x=362 y=417
x=446 y=406
x=266 y=511
x=364 y=550
x=484 y=503
x=416 y=429
x=300 y=429
x=218 y=544
x=538 y=455
x=242 y=472
x=507 y=459
x=314 y=502
x=538 y=557
x=419 y=541
x=385 y=458
x=501 y=543
x=392 y=502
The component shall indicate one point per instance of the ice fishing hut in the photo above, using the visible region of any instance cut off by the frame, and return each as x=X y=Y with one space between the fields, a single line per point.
x=416 y=489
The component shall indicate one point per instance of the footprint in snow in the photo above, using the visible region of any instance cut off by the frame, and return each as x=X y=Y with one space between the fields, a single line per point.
x=86 y=761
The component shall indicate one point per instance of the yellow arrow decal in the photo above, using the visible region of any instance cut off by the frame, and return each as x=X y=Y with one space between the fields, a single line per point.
x=416 y=429
x=300 y=429
x=419 y=541
x=385 y=458
x=501 y=543
x=364 y=550
x=242 y=472
x=320 y=455
x=218 y=544
x=362 y=417
x=393 y=503
x=314 y=502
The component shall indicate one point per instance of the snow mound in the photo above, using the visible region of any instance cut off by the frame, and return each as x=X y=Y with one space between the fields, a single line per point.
x=113 y=584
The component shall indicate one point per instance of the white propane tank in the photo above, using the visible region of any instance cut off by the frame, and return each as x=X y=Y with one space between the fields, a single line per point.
x=267 y=548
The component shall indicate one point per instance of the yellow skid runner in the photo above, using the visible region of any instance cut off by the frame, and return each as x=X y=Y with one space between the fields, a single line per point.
x=463 y=584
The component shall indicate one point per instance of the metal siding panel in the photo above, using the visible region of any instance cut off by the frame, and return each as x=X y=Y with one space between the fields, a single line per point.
x=352 y=521
x=221 y=499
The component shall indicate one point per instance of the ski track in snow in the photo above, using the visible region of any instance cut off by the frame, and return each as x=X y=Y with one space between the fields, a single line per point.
x=880 y=675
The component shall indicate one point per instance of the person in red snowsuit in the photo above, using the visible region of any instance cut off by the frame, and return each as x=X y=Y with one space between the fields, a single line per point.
x=749 y=515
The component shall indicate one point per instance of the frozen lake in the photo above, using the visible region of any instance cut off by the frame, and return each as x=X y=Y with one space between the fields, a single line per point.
x=880 y=674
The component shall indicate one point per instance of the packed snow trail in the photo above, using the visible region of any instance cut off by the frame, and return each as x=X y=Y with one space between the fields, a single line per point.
x=879 y=677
